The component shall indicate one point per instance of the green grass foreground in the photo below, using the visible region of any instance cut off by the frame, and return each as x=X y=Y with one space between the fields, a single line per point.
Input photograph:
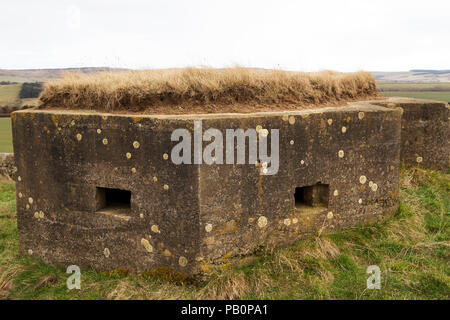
x=411 y=249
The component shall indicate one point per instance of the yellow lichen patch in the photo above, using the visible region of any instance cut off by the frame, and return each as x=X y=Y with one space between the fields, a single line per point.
x=419 y=159
x=264 y=132
x=166 y=187
x=182 y=261
x=147 y=245
x=133 y=170
x=30 y=252
x=36 y=215
x=262 y=222
x=165 y=156
x=374 y=187
x=20 y=195
x=128 y=155
x=30 y=200
x=99 y=131
x=294 y=220
x=136 y=144
x=166 y=253
x=344 y=129
x=105 y=141
x=291 y=120
x=285 y=117
x=136 y=119
x=341 y=153
x=208 y=227
x=141 y=215
x=155 y=179
x=209 y=241
x=155 y=228
x=330 y=121
x=330 y=215
x=336 y=193
x=79 y=136
x=348 y=119
x=362 y=179
x=291 y=142
x=19 y=178
x=41 y=215
x=287 y=222
x=302 y=162
x=360 y=201
x=106 y=252
x=360 y=115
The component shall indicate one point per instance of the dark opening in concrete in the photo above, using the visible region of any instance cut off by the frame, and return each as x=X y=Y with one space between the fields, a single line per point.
x=113 y=201
x=312 y=196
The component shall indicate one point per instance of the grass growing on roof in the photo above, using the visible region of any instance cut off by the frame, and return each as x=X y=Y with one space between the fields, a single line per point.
x=215 y=90
x=412 y=250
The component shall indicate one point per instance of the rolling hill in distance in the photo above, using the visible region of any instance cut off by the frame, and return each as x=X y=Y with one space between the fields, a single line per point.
x=43 y=75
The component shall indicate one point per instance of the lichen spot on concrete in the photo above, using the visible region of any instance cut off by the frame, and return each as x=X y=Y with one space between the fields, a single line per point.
x=128 y=155
x=20 y=195
x=136 y=144
x=166 y=187
x=36 y=215
x=133 y=170
x=291 y=142
x=165 y=156
x=330 y=122
x=419 y=159
x=370 y=184
x=30 y=200
x=30 y=252
x=362 y=179
x=302 y=162
x=19 y=178
x=264 y=132
x=182 y=261
x=106 y=252
x=72 y=123
x=374 y=187
x=344 y=129
x=336 y=193
x=105 y=141
x=264 y=164
x=27 y=206
x=208 y=227
x=360 y=201
x=285 y=117
x=141 y=215
x=155 y=228
x=147 y=245
x=341 y=153
x=262 y=222
x=360 y=115
x=330 y=215
x=295 y=221
x=291 y=120
x=287 y=222
x=99 y=131
x=155 y=179
x=79 y=136
x=41 y=215
x=258 y=128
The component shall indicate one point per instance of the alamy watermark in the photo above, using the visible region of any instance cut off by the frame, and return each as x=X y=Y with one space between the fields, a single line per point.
x=231 y=151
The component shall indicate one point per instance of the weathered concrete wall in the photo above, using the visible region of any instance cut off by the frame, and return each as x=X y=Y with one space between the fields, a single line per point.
x=425 y=132
x=192 y=217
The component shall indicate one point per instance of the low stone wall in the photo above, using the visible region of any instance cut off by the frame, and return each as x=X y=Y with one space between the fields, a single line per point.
x=425 y=132
x=7 y=167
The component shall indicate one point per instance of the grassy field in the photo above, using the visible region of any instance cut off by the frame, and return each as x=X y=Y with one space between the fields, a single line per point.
x=9 y=94
x=412 y=250
x=399 y=86
x=5 y=135
x=432 y=95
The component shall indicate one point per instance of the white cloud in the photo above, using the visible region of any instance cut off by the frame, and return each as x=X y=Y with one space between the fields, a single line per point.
x=296 y=35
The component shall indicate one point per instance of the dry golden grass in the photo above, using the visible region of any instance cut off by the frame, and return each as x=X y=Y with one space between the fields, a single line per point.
x=207 y=90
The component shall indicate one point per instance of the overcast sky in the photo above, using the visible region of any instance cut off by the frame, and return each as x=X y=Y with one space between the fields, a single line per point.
x=345 y=35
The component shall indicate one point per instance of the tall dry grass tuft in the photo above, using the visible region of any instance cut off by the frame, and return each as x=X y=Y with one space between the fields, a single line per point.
x=156 y=90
